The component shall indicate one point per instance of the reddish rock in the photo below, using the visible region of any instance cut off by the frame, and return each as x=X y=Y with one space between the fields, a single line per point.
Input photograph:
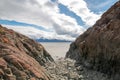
x=99 y=47
x=21 y=58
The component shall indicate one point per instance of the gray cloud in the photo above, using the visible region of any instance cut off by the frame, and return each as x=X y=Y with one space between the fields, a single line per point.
x=61 y=31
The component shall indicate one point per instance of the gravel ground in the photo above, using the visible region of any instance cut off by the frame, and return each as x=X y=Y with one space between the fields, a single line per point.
x=64 y=69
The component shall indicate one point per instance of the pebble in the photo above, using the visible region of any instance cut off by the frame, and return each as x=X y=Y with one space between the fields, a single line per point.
x=64 y=69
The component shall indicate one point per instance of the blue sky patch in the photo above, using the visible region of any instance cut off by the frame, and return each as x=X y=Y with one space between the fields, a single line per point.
x=53 y=0
x=15 y=23
x=66 y=11
x=98 y=6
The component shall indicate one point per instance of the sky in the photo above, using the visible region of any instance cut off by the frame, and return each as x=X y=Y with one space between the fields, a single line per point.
x=52 y=19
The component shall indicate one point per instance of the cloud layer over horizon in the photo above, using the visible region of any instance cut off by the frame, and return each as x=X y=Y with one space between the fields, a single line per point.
x=46 y=14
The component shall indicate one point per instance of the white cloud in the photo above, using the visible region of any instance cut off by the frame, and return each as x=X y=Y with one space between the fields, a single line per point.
x=80 y=8
x=66 y=25
x=43 y=13
x=47 y=14
x=26 y=11
x=37 y=34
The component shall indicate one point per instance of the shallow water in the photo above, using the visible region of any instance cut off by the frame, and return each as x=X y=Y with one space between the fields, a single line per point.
x=56 y=49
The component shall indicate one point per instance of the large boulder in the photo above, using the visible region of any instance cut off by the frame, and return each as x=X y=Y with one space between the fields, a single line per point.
x=21 y=58
x=99 y=47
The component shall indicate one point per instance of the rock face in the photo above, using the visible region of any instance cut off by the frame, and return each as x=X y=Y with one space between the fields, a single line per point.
x=21 y=58
x=99 y=47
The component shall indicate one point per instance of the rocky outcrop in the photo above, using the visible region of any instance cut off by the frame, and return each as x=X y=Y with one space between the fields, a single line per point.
x=21 y=58
x=99 y=47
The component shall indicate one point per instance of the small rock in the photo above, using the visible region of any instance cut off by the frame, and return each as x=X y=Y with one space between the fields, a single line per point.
x=79 y=68
x=81 y=77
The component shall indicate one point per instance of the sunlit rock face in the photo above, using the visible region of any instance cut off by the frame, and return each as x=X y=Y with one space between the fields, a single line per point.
x=21 y=58
x=99 y=47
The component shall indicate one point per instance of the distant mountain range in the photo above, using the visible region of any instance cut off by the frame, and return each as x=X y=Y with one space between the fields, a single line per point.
x=51 y=40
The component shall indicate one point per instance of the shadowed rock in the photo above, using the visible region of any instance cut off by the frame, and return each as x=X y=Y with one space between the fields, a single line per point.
x=99 y=47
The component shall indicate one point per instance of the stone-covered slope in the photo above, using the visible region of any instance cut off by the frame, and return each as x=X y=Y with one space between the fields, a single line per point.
x=99 y=46
x=21 y=58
